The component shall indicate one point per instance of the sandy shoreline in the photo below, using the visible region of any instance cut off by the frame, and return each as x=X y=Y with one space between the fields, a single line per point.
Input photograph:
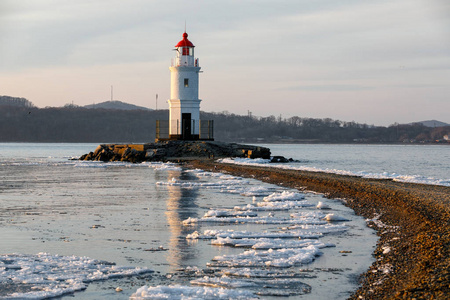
x=412 y=220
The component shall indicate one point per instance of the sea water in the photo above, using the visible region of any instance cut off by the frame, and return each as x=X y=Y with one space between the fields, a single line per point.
x=97 y=230
x=427 y=164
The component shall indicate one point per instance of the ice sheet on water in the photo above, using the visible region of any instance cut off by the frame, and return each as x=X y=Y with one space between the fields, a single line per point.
x=212 y=234
x=164 y=166
x=322 y=205
x=274 y=287
x=308 y=215
x=334 y=218
x=252 y=220
x=244 y=161
x=263 y=273
x=256 y=191
x=323 y=229
x=248 y=191
x=53 y=275
x=228 y=213
x=284 y=196
x=266 y=243
x=224 y=281
x=112 y=164
x=274 y=206
x=280 y=258
x=198 y=184
x=179 y=292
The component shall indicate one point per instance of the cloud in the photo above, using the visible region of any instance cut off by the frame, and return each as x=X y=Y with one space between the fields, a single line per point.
x=332 y=87
x=252 y=52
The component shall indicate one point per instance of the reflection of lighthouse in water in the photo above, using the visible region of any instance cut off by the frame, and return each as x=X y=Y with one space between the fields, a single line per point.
x=180 y=206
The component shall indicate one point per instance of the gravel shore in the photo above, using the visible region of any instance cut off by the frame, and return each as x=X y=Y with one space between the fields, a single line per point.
x=412 y=220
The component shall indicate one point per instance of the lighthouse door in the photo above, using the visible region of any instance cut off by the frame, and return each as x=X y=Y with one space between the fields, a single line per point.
x=186 y=122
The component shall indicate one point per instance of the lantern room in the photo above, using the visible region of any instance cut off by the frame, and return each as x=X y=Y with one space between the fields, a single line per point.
x=185 y=53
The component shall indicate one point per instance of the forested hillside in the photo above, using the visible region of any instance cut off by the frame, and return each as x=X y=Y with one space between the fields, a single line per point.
x=77 y=124
x=15 y=101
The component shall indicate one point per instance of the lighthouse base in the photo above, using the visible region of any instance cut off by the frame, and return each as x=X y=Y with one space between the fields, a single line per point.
x=205 y=132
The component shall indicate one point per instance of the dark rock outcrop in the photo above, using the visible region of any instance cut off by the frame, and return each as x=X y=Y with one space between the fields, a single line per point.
x=174 y=151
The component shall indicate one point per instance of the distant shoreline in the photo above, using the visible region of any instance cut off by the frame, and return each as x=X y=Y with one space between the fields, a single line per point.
x=412 y=220
x=248 y=142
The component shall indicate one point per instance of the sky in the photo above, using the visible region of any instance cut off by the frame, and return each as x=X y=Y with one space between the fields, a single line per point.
x=374 y=62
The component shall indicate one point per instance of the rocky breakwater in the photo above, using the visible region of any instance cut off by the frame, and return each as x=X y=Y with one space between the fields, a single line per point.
x=174 y=151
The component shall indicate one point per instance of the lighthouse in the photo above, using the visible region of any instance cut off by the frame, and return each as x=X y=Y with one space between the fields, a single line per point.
x=184 y=105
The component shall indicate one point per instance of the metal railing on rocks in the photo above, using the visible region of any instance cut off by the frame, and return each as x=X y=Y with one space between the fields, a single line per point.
x=205 y=130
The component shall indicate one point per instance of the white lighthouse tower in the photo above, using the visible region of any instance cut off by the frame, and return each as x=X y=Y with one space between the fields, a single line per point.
x=184 y=105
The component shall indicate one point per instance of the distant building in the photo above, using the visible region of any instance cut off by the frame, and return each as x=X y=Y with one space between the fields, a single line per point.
x=184 y=105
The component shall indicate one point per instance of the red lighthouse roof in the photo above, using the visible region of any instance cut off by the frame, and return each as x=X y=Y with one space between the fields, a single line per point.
x=184 y=42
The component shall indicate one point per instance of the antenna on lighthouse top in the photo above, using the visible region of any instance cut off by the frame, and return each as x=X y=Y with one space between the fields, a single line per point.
x=184 y=25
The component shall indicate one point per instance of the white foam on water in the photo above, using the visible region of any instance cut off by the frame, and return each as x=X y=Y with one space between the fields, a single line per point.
x=179 y=292
x=53 y=275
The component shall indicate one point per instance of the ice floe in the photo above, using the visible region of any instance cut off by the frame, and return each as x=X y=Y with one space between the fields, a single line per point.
x=274 y=206
x=44 y=276
x=334 y=218
x=229 y=213
x=252 y=220
x=322 y=205
x=179 y=292
x=280 y=258
x=269 y=243
x=198 y=184
x=263 y=287
x=263 y=273
x=324 y=229
x=212 y=234
x=284 y=196
x=265 y=267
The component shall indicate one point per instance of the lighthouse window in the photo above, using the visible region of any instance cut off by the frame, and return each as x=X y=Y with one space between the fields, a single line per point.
x=186 y=82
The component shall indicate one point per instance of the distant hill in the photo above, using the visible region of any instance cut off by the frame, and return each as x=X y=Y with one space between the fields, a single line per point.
x=116 y=105
x=431 y=123
x=15 y=101
x=76 y=124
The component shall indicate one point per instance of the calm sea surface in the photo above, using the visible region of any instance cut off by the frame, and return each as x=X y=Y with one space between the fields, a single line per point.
x=429 y=164
x=132 y=215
